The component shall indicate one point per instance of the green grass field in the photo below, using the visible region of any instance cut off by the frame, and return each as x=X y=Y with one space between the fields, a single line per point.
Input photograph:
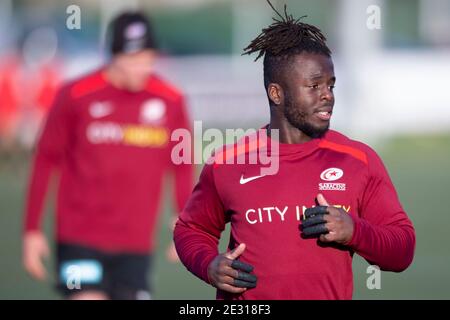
x=419 y=167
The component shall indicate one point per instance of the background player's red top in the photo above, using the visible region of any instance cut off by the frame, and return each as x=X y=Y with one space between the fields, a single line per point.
x=112 y=148
x=265 y=214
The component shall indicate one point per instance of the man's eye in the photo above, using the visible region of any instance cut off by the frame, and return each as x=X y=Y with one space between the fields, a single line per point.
x=331 y=87
x=314 y=86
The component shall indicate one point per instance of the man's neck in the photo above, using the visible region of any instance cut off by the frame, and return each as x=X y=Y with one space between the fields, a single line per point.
x=114 y=76
x=287 y=132
x=119 y=80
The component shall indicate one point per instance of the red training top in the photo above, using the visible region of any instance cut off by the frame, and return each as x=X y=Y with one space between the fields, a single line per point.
x=265 y=213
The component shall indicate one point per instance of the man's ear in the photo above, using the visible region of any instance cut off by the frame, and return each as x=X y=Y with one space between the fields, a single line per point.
x=275 y=93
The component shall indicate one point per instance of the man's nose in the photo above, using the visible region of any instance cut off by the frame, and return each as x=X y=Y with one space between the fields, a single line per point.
x=327 y=94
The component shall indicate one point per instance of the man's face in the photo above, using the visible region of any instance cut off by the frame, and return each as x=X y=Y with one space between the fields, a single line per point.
x=308 y=93
x=135 y=67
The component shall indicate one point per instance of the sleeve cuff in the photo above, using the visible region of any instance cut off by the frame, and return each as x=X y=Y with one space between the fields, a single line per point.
x=357 y=226
x=204 y=272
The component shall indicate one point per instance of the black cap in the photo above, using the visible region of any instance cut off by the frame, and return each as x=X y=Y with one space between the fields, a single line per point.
x=131 y=32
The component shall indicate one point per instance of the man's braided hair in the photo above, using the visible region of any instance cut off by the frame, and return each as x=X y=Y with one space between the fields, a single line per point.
x=282 y=40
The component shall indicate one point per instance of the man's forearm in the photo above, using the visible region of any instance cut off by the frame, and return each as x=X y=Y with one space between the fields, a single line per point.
x=39 y=181
x=195 y=248
x=390 y=247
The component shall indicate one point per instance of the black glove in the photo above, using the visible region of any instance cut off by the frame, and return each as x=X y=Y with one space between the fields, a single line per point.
x=313 y=224
x=244 y=279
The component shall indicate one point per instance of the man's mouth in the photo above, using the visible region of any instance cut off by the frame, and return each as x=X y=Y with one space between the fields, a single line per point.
x=324 y=113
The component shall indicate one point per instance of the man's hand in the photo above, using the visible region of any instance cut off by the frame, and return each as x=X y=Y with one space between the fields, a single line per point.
x=171 y=253
x=329 y=223
x=35 y=248
x=231 y=275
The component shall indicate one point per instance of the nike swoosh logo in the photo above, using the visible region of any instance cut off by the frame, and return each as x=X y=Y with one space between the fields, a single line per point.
x=100 y=110
x=245 y=180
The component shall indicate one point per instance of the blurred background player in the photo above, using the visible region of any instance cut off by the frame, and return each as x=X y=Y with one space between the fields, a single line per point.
x=108 y=137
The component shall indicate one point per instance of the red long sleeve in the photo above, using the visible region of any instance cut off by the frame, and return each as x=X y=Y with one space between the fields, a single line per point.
x=184 y=172
x=383 y=235
x=49 y=156
x=265 y=213
x=197 y=234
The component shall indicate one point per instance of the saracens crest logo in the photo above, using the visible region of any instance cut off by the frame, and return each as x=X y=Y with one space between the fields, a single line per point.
x=332 y=174
x=153 y=111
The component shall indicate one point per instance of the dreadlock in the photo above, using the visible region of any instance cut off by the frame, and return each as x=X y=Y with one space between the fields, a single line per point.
x=283 y=39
